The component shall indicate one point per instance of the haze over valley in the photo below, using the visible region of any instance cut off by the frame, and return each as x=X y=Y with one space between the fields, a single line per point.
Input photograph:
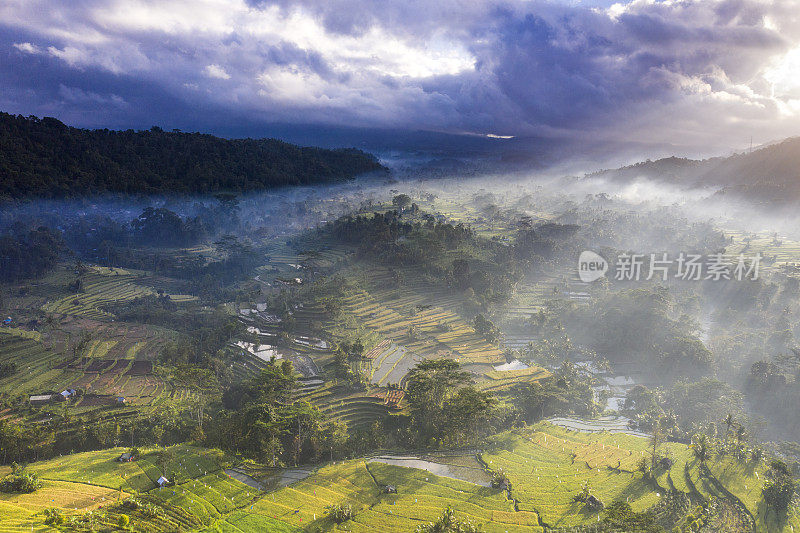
x=399 y=267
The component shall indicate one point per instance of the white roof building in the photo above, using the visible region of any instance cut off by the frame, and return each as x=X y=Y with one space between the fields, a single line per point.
x=41 y=398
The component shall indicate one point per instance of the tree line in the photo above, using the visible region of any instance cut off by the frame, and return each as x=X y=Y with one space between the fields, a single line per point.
x=46 y=158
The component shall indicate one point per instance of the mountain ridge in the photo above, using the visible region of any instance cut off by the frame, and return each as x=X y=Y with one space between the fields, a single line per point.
x=46 y=158
x=767 y=175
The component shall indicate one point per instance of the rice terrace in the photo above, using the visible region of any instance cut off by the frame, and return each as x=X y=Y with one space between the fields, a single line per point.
x=400 y=267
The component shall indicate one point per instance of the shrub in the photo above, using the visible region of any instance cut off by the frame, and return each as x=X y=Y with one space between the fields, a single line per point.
x=123 y=521
x=131 y=503
x=24 y=483
x=53 y=517
x=449 y=523
x=584 y=494
x=7 y=369
x=778 y=491
x=499 y=480
x=146 y=509
x=779 y=467
x=340 y=513
x=620 y=515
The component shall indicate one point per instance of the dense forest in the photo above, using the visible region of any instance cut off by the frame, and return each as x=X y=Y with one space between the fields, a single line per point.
x=45 y=158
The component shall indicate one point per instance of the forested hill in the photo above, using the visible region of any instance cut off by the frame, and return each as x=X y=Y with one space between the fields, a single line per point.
x=46 y=158
x=768 y=176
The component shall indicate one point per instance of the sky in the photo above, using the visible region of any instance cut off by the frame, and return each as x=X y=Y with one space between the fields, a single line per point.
x=708 y=73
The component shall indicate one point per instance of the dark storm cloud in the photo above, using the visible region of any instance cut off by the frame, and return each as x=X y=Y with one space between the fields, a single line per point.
x=641 y=70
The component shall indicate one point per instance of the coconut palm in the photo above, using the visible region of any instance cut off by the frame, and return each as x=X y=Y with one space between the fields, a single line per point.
x=728 y=423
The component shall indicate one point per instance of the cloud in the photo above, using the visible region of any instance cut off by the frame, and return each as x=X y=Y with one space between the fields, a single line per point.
x=28 y=48
x=79 y=96
x=705 y=71
x=216 y=71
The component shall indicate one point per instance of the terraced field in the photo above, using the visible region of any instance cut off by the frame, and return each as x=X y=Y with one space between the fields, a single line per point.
x=35 y=364
x=209 y=496
x=549 y=465
x=745 y=481
x=421 y=497
x=387 y=367
x=101 y=468
x=126 y=341
x=101 y=287
x=437 y=330
x=18 y=511
x=202 y=492
x=89 y=481
x=496 y=380
x=355 y=409
x=776 y=251
x=40 y=369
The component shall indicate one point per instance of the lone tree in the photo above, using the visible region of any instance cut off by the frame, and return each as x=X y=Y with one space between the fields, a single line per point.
x=485 y=327
x=430 y=384
x=401 y=201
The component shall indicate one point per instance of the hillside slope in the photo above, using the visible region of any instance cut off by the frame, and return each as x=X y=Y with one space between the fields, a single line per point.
x=770 y=175
x=45 y=158
x=547 y=467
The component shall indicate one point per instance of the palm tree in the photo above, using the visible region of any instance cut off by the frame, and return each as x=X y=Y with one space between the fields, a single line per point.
x=728 y=423
x=740 y=431
x=701 y=448
x=655 y=442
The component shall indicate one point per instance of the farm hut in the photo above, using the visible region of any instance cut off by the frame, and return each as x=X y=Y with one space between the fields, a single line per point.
x=125 y=458
x=390 y=489
x=121 y=399
x=7 y=321
x=162 y=481
x=66 y=394
x=41 y=398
